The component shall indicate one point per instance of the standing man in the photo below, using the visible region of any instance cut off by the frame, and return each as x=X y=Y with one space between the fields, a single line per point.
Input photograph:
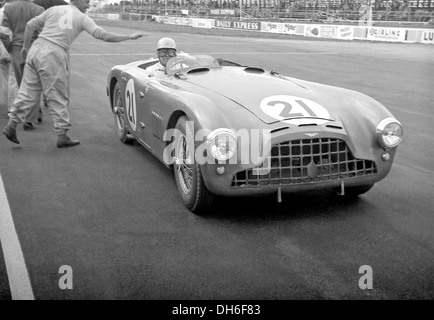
x=46 y=4
x=47 y=67
x=8 y=84
x=16 y=16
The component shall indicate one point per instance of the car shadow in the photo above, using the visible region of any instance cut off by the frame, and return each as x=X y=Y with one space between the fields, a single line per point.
x=294 y=206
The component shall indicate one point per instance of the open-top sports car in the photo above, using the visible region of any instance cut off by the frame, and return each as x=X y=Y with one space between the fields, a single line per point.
x=233 y=130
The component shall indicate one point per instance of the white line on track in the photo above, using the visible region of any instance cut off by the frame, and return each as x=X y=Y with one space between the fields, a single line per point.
x=133 y=43
x=209 y=53
x=18 y=276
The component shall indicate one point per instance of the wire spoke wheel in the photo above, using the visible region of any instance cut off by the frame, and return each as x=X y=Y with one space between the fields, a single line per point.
x=188 y=174
x=119 y=111
x=184 y=171
x=119 y=116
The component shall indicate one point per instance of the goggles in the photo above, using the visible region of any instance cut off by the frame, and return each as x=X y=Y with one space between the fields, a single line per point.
x=167 y=54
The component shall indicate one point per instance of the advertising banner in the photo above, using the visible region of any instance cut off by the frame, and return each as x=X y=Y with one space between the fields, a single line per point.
x=282 y=28
x=97 y=15
x=386 y=34
x=345 y=33
x=170 y=20
x=203 y=23
x=427 y=36
x=113 y=16
x=271 y=27
x=413 y=35
x=289 y=28
x=226 y=12
x=312 y=31
x=238 y=25
x=330 y=32
x=342 y=32
x=360 y=33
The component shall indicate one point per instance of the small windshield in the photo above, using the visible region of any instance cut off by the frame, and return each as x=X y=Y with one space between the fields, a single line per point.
x=185 y=61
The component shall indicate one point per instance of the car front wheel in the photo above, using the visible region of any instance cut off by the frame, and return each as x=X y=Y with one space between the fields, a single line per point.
x=187 y=172
x=119 y=116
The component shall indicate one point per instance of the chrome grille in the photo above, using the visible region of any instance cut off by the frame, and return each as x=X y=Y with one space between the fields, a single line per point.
x=307 y=161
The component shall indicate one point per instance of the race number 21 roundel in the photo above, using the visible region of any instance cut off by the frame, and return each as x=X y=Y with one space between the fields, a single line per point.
x=294 y=110
x=130 y=104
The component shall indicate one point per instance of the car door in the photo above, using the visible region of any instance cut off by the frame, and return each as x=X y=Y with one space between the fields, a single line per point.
x=133 y=89
x=151 y=97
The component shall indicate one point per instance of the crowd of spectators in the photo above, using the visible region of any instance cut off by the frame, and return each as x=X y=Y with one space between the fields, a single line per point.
x=389 y=10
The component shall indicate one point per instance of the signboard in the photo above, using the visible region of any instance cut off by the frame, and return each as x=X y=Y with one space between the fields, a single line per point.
x=203 y=23
x=428 y=36
x=386 y=34
x=345 y=33
x=282 y=28
x=238 y=25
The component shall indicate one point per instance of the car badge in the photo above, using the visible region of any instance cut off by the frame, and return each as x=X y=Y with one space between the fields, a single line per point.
x=311 y=134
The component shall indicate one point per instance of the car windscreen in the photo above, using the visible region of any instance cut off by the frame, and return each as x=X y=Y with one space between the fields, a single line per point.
x=185 y=62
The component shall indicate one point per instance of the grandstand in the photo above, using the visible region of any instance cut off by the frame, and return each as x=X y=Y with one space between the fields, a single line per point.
x=321 y=11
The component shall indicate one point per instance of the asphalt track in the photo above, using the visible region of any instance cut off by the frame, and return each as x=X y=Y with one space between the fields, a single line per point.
x=112 y=211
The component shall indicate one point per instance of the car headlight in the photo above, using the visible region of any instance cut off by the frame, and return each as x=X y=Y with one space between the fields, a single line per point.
x=389 y=132
x=222 y=144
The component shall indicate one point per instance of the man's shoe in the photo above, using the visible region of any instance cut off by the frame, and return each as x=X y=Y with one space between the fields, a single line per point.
x=11 y=134
x=27 y=126
x=64 y=141
x=40 y=117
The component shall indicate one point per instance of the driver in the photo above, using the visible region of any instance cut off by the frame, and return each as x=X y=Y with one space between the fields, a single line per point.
x=166 y=50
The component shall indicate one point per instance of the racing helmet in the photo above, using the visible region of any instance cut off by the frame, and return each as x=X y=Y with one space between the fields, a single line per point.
x=166 y=43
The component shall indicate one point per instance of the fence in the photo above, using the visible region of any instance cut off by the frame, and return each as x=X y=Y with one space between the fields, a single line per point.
x=419 y=11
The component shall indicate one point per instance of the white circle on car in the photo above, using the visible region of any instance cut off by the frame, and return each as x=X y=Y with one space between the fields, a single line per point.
x=130 y=104
x=294 y=110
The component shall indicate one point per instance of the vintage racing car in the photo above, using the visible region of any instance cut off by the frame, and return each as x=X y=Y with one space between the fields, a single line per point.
x=233 y=130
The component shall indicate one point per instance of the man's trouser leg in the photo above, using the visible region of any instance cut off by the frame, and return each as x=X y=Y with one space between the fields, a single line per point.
x=18 y=66
x=55 y=80
x=16 y=63
x=53 y=66
x=13 y=87
x=4 y=86
x=29 y=95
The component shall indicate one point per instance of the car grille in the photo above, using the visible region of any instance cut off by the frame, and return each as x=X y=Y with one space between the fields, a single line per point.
x=306 y=161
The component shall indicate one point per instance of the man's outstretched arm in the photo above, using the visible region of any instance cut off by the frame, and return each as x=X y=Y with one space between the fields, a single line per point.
x=116 y=37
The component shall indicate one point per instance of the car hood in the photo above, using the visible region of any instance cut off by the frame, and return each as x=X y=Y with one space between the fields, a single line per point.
x=273 y=98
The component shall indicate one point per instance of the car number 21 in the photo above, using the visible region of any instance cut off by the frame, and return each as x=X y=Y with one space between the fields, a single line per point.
x=130 y=104
x=294 y=110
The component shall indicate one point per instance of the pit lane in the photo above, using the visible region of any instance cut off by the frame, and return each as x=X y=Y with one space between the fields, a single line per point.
x=112 y=211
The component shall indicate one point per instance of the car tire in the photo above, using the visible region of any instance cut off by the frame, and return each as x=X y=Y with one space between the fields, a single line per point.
x=353 y=192
x=189 y=181
x=119 y=116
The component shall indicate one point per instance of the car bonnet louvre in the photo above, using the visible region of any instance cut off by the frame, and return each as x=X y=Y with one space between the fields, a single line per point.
x=334 y=126
x=197 y=70
x=254 y=70
x=307 y=124
x=279 y=129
